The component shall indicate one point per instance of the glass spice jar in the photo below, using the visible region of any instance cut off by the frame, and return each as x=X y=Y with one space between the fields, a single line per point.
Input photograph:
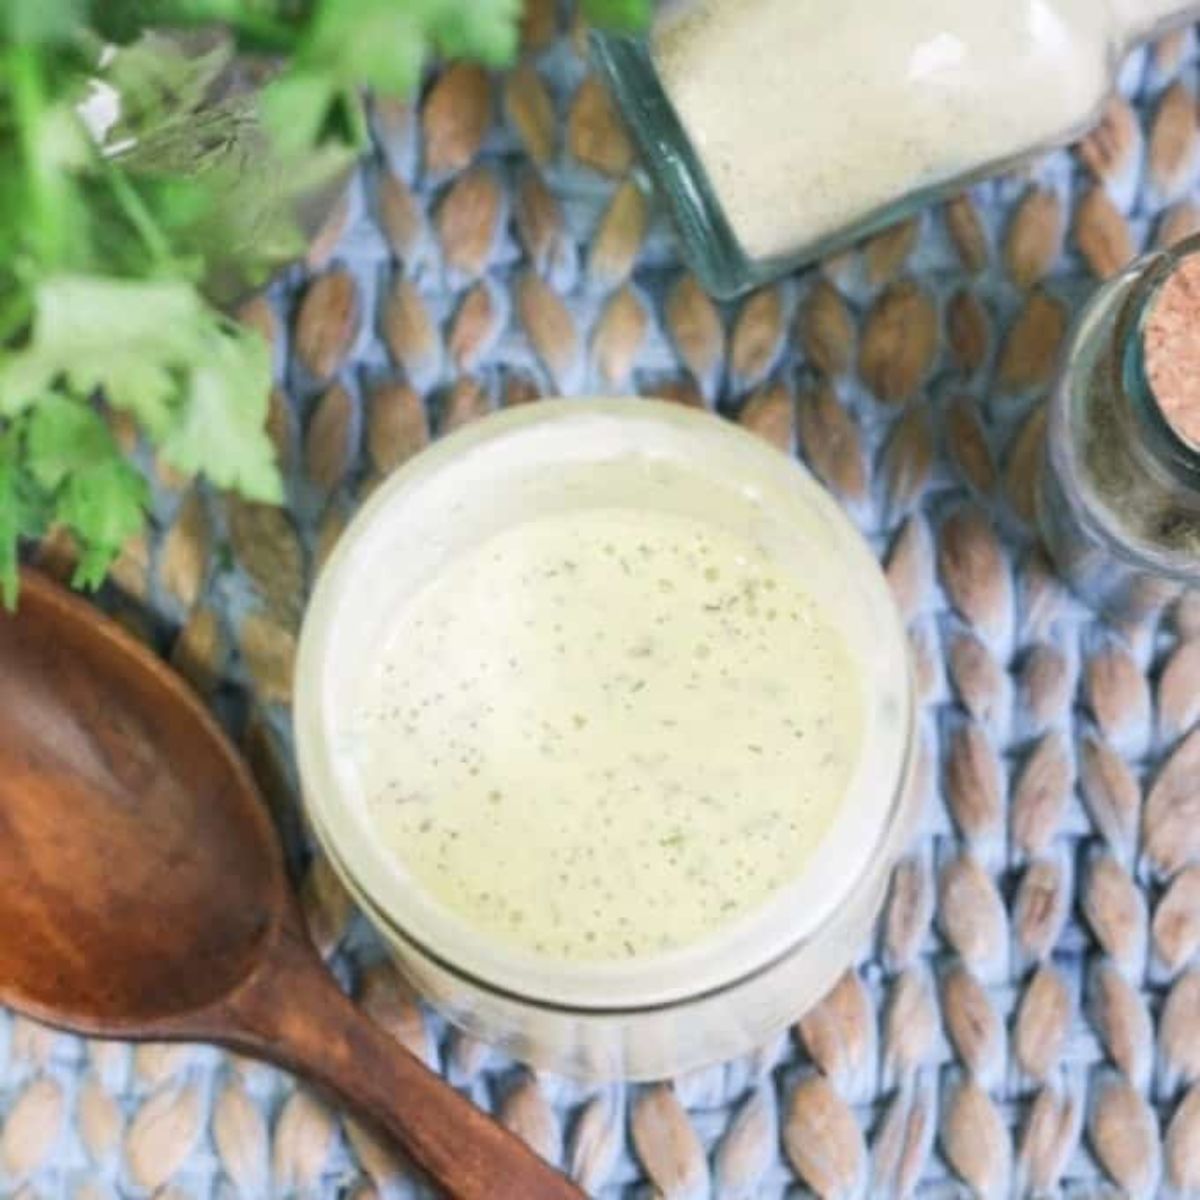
x=1119 y=496
x=780 y=131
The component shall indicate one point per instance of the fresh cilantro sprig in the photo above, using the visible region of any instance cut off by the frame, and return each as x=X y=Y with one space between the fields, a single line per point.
x=100 y=302
x=119 y=238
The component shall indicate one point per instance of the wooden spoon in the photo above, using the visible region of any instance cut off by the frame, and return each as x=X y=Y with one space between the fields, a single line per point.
x=143 y=893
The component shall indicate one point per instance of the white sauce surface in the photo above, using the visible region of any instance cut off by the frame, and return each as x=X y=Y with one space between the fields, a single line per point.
x=603 y=734
x=809 y=115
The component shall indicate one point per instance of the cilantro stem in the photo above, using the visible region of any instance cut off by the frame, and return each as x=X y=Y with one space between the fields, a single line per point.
x=47 y=195
x=139 y=215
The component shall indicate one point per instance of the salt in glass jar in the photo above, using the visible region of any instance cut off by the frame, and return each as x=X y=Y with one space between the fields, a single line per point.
x=780 y=131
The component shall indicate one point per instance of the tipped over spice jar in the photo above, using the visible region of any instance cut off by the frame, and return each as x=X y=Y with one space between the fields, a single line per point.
x=781 y=130
x=1119 y=502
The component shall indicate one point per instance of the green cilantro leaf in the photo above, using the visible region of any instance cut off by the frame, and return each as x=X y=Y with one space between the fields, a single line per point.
x=296 y=109
x=59 y=464
x=31 y=21
x=10 y=515
x=486 y=31
x=131 y=338
x=71 y=472
x=220 y=431
x=260 y=24
x=630 y=15
x=104 y=505
x=63 y=436
x=383 y=45
x=198 y=384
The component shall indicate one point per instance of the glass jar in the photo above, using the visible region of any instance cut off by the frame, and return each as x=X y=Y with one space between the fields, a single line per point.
x=1119 y=501
x=779 y=131
x=666 y=1011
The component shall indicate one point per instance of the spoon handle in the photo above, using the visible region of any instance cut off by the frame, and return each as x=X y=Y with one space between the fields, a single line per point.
x=294 y=1014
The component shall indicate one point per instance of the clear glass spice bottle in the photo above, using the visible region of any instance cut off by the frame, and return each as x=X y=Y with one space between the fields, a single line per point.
x=779 y=131
x=1119 y=497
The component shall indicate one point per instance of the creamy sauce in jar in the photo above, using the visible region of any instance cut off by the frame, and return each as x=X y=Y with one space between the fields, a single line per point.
x=809 y=116
x=603 y=734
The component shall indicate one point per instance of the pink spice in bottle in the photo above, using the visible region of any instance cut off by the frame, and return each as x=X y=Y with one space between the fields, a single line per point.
x=1171 y=345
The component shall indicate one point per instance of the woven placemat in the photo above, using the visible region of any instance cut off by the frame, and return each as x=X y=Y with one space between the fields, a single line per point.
x=1028 y=1018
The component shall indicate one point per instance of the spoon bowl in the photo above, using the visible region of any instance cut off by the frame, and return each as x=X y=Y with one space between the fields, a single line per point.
x=123 y=822
x=144 y=893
